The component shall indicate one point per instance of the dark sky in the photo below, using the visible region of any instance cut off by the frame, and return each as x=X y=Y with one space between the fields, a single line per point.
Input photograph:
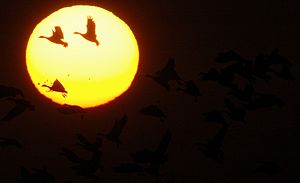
x=194 y=33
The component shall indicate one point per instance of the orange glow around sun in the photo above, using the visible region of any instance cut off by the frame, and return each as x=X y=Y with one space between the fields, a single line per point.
x=92 y=75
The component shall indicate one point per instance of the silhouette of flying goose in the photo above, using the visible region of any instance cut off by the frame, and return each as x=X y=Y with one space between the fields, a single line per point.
x=166 y=74
x=57 y=36
x=71 y=109
x=115 y=132
x=153 y=110
x=87 y=145
x=213 y=148
x=90 y=34
x=20 y=106
x=57 y=87
x=9 y=91
x=190 y=88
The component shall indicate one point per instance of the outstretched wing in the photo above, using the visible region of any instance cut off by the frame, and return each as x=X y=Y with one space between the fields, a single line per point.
x=170 y=65
x=58 y=33
x=152 y=110
x=57 y=86
x=71 y=156
x=168 y=71
x=8 y=91
x=17 y=110
x=91 y=26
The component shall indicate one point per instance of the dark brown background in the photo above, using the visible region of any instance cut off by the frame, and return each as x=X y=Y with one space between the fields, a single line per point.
x=193 y=32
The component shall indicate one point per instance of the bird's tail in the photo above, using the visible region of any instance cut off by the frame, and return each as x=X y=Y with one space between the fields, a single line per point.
x=65 y=44
x=97 y=42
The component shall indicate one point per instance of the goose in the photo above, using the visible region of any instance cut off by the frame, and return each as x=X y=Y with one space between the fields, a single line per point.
x=90 y=34
x=115 y=132
x=166 y=74
x=57 y=87
x=57 y=36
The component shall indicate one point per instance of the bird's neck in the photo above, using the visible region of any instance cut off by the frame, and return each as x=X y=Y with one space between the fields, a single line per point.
x=46 y=86
x=43 y=37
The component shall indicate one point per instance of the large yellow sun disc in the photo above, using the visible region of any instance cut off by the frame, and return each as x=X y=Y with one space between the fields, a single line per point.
x=91 y=75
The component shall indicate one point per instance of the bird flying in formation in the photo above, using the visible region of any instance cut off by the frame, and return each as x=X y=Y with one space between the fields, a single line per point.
x=87 y=145
x=190 y=88
x=57 y=36
x=9 y=91
x=223 y=77
x=71 y=109
x=213 y=148
x=85 y=167
x=148 y=161
x=160 y=155
x=153 y=110
x=165 y=75
x=115 y=132
x=20 y=106
x=57 y=87
x=90 y=34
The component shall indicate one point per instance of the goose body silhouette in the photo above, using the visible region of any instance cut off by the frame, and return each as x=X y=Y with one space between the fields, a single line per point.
x=57 y=87
x=57 y=36
x=153 y=110
x=87 y=145
x=9 y=91
x=90 y=34
x=166 y=74
x=213 y=148
x=21 y=105
x=190 y=88
x=115 y=132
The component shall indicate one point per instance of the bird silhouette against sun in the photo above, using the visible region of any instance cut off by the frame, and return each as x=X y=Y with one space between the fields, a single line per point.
x=57 y=36
x=90 y=34
x=57 y=87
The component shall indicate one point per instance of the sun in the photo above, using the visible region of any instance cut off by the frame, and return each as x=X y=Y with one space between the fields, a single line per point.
x=75 y=69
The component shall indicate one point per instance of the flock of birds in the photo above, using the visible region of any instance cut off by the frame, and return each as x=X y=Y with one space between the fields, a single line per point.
x=241 y=99
x=57 y=38
x=90 y=35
